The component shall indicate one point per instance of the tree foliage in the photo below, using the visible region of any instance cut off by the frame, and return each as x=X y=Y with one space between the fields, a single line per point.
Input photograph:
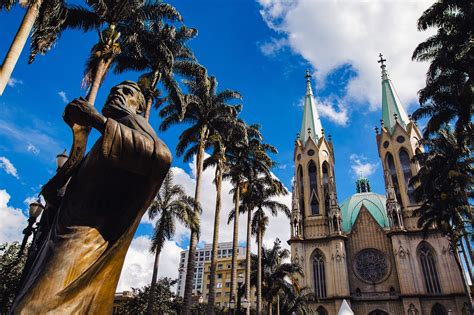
x=444 y=185
x=10 y=273
x=449 y=91
x=166 y=302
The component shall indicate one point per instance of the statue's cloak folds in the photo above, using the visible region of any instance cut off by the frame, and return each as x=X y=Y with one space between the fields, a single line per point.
x=79 y=265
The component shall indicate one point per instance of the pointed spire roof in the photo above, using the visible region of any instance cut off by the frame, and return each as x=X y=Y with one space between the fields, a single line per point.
x=345 y=309
x=311 y=125
x=392 y=109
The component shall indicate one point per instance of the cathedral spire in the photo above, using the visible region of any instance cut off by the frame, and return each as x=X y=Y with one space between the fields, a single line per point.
x=392 y=109
x=311 y=124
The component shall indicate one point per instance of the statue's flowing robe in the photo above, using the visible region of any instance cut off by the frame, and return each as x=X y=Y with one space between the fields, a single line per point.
x=78 y=267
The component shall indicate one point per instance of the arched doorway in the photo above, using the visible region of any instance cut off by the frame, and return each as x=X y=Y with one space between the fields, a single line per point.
x=378 y=312
x=438 y=309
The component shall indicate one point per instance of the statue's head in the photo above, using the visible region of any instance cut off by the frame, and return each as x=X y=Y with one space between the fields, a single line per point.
x=124 y=99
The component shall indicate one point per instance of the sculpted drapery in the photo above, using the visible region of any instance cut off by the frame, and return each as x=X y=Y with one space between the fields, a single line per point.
x=78 y=266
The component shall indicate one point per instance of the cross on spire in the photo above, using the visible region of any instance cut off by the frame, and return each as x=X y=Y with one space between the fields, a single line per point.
x=383 y=67
x=307 y=75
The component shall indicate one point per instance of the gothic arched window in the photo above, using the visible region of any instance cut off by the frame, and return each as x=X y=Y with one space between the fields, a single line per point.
x=301 y=190
x=321 y=311
x=319 y=275
x=313 y=188
x=438 y=309
x=393 y=174
x=405 y=162
x=325 y=171
x=428 y=266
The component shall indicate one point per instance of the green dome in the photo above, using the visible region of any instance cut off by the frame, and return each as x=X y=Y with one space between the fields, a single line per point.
x=375 y=203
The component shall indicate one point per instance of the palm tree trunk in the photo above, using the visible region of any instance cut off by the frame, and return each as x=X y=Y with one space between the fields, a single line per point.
x=464 y=280
x=235 y=241
x=188 y=286
x=98 y=77
x=215 y=241
x=18 y=43
x=247 y=259
x=151 y=297
x=259 y=272
x=149 y=100
x=270 y=310
x=278 y=304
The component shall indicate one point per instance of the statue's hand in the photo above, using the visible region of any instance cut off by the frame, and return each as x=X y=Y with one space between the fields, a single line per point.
x=80 y=112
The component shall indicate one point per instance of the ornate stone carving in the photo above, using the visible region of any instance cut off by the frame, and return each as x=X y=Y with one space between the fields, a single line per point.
x=338 y=255
x=371 y=265
x=402 y=252
x=412 y=310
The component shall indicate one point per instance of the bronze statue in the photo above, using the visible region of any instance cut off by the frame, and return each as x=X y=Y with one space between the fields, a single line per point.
x=78 y=266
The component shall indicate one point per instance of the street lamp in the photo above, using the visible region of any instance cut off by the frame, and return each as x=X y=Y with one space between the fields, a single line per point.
x=231 y=306
x=61 y=159
x=35 y=210
x=245 y=303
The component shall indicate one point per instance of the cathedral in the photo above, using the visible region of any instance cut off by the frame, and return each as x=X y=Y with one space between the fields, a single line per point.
x=368 y=249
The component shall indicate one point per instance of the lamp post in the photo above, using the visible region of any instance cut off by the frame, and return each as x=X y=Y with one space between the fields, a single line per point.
x=35 y=210
x=61 y=159
x=232 y=306
x=245 y=303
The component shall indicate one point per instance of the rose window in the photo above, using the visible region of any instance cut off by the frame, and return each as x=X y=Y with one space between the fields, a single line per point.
x=371 y=265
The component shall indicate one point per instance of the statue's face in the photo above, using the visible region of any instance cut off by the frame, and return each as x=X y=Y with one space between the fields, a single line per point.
x=125 y=95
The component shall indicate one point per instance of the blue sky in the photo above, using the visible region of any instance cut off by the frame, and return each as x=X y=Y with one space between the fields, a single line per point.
x=260 y=48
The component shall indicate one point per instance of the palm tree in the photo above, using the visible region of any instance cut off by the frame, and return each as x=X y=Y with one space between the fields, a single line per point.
x=172 y=204
x=208 y=114
x=264 y=193
x=443 y=186
x=276 y=275
x=295 y=300
x=245 y=159
x=234 y=133
x=118 y=23
x=448 y=94
x=45 y=18
x=161 y=51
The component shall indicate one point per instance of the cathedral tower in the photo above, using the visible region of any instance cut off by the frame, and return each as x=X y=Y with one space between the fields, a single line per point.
x=317 y=243
x=397 y=142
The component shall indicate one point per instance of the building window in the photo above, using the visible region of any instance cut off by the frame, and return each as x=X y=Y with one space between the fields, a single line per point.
x=325 y=170
x=438 y=309
x=319 y=275
x=393 y=175
x=219 y=276
x=428 y=266
x=301 y=190
x=321 y=311
x=227 y=284
x=313 y=188
x=219 y=266
x=405 y=162
x=219 y=285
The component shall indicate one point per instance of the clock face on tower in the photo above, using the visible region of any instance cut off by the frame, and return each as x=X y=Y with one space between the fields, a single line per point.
x=371 y=265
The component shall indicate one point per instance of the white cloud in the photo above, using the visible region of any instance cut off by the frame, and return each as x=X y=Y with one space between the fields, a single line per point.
x=335 y=113
x=63 y=97
x=13 y=220
x=138 y=266
x=31 y=148
x=333 y=33
x=270 y=48
x=361 y=167
x=12 y=82
x=8 y=167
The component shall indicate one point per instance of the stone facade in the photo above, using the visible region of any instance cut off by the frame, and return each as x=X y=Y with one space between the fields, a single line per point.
x=380 y=262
